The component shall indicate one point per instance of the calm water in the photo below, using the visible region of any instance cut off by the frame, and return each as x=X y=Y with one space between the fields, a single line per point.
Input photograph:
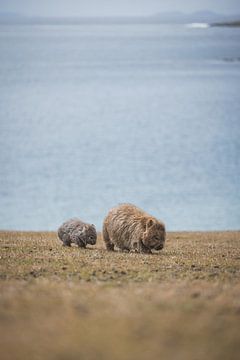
x=92 y=116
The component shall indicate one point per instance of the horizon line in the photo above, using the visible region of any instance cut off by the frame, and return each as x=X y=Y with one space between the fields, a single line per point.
x=173 y=12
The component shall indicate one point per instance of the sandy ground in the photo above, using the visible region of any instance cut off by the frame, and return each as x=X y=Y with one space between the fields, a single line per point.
x=70 y=303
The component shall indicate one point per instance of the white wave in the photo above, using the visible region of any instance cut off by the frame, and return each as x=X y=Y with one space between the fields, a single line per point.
x=198 y=25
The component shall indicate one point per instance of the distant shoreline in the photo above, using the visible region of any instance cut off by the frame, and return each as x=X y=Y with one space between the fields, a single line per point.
x=119 y=20
x=226 y=24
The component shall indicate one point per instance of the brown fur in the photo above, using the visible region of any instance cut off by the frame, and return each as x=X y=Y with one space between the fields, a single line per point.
x=130 y=228
x=78 y=232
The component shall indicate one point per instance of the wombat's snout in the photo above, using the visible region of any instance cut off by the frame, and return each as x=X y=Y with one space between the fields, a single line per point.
x=92 y=240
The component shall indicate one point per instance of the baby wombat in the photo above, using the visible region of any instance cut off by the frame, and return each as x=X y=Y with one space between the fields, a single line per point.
x=130 y=228
x=78 y=232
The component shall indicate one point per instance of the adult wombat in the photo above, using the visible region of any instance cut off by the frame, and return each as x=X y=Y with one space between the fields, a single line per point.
x=78 y=232
x=130 y=228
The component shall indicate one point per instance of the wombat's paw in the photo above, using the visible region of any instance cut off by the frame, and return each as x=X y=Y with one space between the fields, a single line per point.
x=145 y=251
x=68 y=245
x=82 y=246
x=110 y=247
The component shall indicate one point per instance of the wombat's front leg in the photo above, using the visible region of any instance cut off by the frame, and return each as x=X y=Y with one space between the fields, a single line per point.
x=142 y=248
x=82 y=245
x=66 y=240
x=110 y=246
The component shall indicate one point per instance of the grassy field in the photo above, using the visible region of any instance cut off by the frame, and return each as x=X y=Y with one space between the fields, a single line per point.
x=70 y=303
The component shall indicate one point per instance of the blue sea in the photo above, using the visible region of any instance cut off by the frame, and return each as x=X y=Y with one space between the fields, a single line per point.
x=96 y=115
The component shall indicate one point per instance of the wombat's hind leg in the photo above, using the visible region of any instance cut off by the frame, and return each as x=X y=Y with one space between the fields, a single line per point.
x=106 y=238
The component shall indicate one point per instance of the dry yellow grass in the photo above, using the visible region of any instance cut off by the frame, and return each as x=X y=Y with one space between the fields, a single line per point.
x=70 y=303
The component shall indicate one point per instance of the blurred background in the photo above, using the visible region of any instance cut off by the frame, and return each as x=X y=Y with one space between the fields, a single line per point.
x=103 y=104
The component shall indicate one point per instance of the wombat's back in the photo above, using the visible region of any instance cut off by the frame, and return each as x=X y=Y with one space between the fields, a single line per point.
x=69 y=226
x=126 y=214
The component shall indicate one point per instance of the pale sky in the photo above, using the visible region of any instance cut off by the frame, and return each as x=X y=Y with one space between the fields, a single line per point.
x=115 y=7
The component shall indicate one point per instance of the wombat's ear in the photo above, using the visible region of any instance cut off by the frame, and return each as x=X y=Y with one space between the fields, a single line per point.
x=149 y=223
